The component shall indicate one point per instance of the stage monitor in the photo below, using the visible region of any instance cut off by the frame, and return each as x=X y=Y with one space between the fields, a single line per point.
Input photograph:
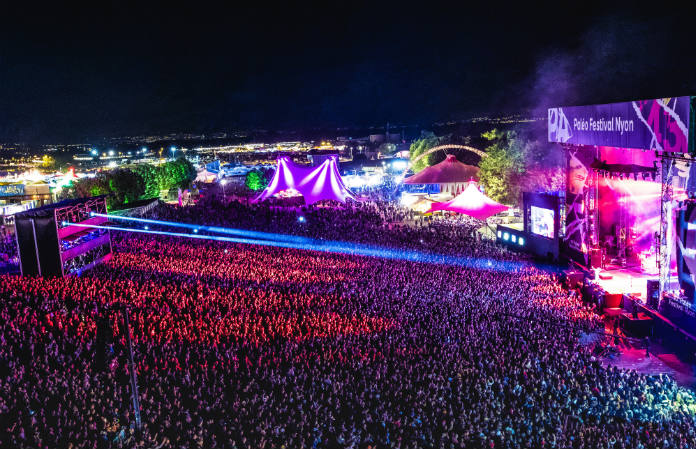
x=542 y=221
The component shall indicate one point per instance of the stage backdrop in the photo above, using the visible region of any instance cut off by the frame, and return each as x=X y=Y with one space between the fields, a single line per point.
x=661 y=124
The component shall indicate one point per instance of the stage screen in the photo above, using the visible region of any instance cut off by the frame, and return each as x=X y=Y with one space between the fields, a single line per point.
x=542 y=221
x=575 y=241
x=629 y=217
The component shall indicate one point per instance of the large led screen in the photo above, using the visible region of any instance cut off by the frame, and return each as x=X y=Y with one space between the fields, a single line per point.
x=542 y=221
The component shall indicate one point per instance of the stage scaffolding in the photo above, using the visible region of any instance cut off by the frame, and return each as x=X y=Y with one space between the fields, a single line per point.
x=666 y=231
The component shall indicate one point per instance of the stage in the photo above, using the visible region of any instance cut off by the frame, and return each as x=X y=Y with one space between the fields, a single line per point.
x=618 y=280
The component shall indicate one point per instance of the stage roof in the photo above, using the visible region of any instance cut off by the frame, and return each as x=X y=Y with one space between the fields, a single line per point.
x=322 y=182
x=448 y=171
x=471 y=202
x=663 y=124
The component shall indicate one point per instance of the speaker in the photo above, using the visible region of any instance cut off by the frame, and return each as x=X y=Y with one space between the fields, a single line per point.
x=37 y=237
x=653 y=292
x=612 y=300
x=572 y=278
x=596 y=257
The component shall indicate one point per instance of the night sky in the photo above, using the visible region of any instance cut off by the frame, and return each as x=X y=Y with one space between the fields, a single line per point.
x=74 y=74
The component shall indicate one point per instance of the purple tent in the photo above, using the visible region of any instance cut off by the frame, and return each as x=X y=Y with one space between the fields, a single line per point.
x=471 y=202
x=322 y=182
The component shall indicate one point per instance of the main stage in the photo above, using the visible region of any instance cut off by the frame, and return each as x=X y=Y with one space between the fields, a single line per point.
x=625 y=281
x=628 y=216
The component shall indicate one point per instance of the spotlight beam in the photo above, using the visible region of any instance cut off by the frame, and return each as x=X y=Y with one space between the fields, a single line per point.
x=213 y=229
x=348 y=248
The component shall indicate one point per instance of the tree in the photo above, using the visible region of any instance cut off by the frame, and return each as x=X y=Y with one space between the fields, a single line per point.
x=87 y=187
x=517 y=164
x=141 y=181
x=148 y=175
x=256 y=181
x=502 y=169
x=178 y=173
x=420 y=146
x=126 y=185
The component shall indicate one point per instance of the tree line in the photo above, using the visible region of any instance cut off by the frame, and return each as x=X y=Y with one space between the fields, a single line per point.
x=131 y=183
x=515 y=163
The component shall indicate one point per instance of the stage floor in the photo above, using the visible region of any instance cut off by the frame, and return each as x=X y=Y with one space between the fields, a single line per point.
x=631 y=280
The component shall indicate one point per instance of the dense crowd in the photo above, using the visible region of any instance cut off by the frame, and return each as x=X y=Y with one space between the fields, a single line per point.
x=8 y=247
x=241 y=346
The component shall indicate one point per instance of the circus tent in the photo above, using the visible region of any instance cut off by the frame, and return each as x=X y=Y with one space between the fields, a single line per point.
x=471 y=202
x=451 y=175
x=319 y=183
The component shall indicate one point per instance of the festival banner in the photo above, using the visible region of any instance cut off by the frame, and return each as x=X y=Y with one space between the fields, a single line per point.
x=662 y=124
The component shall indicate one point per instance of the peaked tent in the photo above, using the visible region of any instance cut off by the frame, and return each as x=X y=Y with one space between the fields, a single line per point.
x=322 y=182
x=451 y=175
x=471 y=202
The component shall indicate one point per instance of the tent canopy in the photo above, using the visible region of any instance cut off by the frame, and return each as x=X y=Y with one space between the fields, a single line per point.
x=471 y=202
x=448 y=171
x=322 y=182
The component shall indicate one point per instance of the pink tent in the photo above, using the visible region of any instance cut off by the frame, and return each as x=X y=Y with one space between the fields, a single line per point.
x=471 y=202
x=451 y=175
x=322 y=182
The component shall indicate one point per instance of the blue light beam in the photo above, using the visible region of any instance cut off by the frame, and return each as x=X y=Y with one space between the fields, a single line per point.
x=348 y=248
x=214 y=229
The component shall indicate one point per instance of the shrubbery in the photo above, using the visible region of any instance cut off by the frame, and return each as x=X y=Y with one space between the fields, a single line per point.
x=136 y=182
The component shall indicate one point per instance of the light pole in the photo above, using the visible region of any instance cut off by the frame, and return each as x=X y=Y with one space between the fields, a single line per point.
x=131 y=363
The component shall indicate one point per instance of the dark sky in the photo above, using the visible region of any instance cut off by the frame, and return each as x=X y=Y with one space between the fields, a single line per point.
x=70 y=74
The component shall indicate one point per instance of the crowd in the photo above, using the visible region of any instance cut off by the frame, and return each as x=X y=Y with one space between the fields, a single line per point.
x=240 y=346
x=8 y=247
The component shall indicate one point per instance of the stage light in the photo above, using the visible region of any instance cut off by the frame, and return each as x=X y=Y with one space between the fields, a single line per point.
x=506 y=236
x=349 y=248
x=513 y=238
x=196 y=231
x=499 y=234
x=301 y=219
x=214 y=229
x=521 y=241
x=146 y=227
